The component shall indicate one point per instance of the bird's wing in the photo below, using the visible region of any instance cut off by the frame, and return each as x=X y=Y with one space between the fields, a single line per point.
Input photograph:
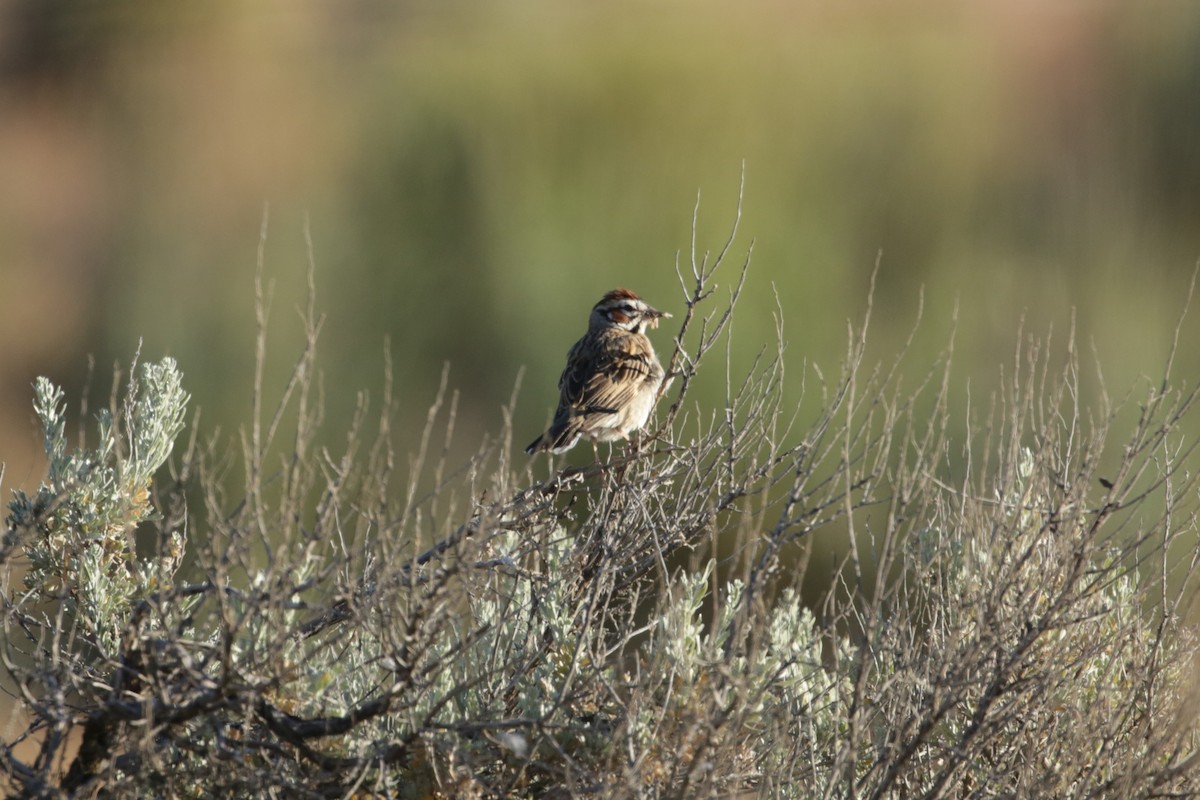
x=603 y=377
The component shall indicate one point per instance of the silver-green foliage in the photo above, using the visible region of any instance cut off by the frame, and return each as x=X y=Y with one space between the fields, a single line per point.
x=83 y=517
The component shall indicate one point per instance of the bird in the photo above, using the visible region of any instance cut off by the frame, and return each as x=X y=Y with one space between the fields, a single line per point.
x=612 y=378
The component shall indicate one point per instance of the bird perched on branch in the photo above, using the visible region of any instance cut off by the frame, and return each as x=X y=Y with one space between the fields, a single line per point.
x=612 y=377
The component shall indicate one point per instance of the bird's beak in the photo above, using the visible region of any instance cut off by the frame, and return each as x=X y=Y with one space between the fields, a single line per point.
x=655 y=315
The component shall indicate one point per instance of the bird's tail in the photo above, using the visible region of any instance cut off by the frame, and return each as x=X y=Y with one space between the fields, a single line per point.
x=558 y=439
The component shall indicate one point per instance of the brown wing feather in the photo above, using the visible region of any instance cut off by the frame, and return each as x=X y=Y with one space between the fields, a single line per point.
x=601 y=379
x=575 y=374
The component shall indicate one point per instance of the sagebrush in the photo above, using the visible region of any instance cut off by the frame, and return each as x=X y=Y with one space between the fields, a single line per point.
x=1007 y=621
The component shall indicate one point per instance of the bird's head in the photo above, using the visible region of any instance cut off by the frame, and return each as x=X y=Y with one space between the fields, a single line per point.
x=622 y=308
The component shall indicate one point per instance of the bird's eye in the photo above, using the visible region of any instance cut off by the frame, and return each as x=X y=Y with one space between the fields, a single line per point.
x=628 y=309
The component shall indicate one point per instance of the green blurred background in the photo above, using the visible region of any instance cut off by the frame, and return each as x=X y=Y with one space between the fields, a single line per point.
x=477 y=174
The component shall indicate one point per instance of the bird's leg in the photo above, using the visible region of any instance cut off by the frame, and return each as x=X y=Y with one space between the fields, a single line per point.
x=625 y=462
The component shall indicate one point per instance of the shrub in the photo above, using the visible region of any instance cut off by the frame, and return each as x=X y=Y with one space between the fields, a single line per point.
x=347 y=628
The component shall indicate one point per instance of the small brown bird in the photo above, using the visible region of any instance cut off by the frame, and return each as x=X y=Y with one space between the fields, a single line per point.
x=612 y=377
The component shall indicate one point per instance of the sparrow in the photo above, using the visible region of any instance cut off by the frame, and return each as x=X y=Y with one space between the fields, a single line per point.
x=612 y=377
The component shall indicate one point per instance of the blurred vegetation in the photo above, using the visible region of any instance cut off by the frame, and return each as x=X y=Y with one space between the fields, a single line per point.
x=477 y=174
